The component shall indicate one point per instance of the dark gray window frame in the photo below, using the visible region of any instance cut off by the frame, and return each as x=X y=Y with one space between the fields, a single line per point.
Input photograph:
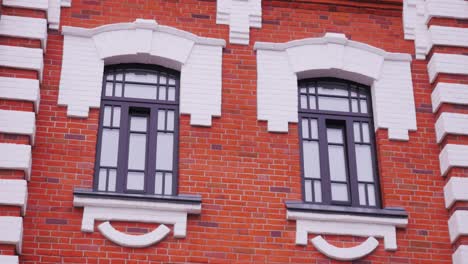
x=346 y=120
x=153 y=105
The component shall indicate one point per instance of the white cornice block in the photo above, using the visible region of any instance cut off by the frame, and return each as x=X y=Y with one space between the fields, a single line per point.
x=24 y=27
x=461 y=255
x=11 y=229
x=198 y=59
x=451 y=93
x=14 y=192
x=451 y=123
x=20 y=89
x=16 y=157
x=240 y=16
x=9 y=259
x=22 y=58
x=280 y=65
x=447 y=63
x=453 y=156
x=455 y=190
x=458 y=225
x=18 y=122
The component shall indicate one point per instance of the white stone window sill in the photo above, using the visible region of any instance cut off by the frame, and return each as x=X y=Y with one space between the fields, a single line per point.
x=172 y=210
x=326 y=220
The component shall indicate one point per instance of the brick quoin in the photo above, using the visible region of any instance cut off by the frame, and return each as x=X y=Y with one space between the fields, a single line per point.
x=243 y=173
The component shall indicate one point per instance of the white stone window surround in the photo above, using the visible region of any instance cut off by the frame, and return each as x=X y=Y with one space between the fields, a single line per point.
x=280 y=65
x=102 y=208
x=309 y=221
x=87 y=51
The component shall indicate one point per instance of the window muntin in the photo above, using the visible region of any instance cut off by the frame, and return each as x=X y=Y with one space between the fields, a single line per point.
x=137 y=143
x=337 y=143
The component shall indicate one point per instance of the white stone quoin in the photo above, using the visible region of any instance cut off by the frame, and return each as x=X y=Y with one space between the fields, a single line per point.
x=461 y=255
x=15 y=193
x=12 y=231
x=18 y=122
x=51 y=7
x=280 y=65
x=455 y=190
x=453 y=155
x=87 y=51
x=447 y=63
x=9 y=259
x=16 y=157
x=449 y=93
x=240 y=15
x=458 y=225
x=24 y=27
x=451 y=123
x=22 y=58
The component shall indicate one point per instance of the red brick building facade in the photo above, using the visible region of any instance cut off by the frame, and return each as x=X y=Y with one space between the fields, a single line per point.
x=238 y=192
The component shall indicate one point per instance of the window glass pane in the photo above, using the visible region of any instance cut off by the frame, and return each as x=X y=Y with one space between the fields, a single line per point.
x=110 y=77
x=335 y=135
x=303 y=90
x=107 y=116
x=162 y=93
x=161 y=119
x=362 y=194
x=339 y=192
x=116 y=117
x=303 y=101
x=357 y=132
x=353 y=92
x=364 y=163
x=363 y=106
x=170 y=120
x=137 y=151
x=318 y=191
x=168 y=183
x=171 y=94
x=102 y=179
x=333 y=104
x=164 y=151
x=305 y=128
x=337 y=163
x=365 y=132
x=109 y=147
x=308 y=191
x=371 y=193
x=311 y=159
x=332 y=88
x=112 y=180
x=143 y=77
x=158 y=182
x=109 y=88
x=171 y=81
x=354 y=106
x=138 y=123
x=312 y=103
x=118 y=90
x=140 y=91
x=162 y=79
x=135 y=180
x=119 y=77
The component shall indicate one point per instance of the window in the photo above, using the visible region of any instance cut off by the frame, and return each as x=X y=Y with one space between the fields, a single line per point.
x=337 y=143
x=137 y=143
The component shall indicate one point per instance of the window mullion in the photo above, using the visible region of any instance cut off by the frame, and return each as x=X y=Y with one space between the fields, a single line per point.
x=151 y=161
x=122 y=159
x=351 y=155
x=324 y=160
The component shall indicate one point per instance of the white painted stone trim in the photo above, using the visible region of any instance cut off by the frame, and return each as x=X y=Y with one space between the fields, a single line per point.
x=451 y=123
x=11 y=228
x=52 y=7
x=240 y=16
x=341 y=224
x=86 y=51
x=455 y=190
x=24 y=27
x=458 y=225
x=22 y=58
x=345 y=254
x=134 y=241
x=18 y=122
x=9 y=259
x=461 y=255
x=453 y=156
x=279 y=65
x=135 y=211
x=14 y=192
x=16 y=157
x=452 y=93
x=449 y=36
x=447 y=63
x=20 y=89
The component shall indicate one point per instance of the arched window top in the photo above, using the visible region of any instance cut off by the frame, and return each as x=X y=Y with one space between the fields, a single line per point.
x=335 y=96
x=138 y=82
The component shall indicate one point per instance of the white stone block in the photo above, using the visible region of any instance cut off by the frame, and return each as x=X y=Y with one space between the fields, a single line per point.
x=20 y=89
x=16 y=157
x=458 y=225
x=9 y=259
x=22 y=58
x=11 y=229
x=461 y=255
x=14 y=192
x=451 y=93
x=30 y=4
x=451 y=123
x=52 y=7
x=449 y=36
x=453 y=156
x=447 y=63
x=455 y=190
x=18 y=122
x=24 y=27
